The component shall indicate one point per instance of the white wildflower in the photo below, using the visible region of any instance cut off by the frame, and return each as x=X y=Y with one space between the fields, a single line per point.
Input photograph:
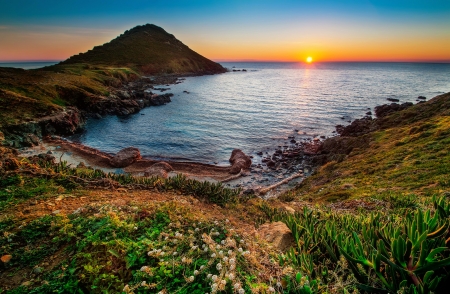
x=144 y=268
x=213 y=255
x=223 y=282
x=195 y=272
x=237 y=286
x=231 y=276
x=209 y=276
x=240 y=250
x=214 y=278
x=241 y=291
x=219 y=266
x=271 y=289
x=143 y=283
x=191 y=278
x=225 y=259
x=230 y=252
x=232 y=261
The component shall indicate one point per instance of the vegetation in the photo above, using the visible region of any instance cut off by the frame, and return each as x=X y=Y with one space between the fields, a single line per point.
x=88 y=77
x=400 y=250
x=374 y=221
x=148 y=49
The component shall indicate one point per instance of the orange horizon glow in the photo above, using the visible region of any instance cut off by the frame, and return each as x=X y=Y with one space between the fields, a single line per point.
x=60 y=46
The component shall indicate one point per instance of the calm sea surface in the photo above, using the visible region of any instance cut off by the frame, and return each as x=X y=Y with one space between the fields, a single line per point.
x=28 y=65
x=258 y=109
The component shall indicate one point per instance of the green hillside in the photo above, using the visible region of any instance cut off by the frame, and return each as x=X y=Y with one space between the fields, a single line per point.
x=148 y=49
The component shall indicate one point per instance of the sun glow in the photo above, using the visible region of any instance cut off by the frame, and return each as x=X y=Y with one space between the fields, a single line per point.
x=309 y=59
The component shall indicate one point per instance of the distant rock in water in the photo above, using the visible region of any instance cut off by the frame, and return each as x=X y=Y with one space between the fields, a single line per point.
x=393 y=100
x=148 y=49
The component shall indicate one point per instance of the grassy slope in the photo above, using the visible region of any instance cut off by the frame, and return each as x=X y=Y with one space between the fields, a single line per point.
x=409 y=158
x=105 y=243
x=29 y=94
x=148 y=49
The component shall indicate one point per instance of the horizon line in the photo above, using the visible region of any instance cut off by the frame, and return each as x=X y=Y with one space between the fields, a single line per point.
x=261 y=61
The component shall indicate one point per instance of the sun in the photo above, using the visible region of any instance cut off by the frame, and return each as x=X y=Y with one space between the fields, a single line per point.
x=309 y=59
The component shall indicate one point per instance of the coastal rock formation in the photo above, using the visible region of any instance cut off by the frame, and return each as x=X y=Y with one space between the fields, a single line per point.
x=28 y=134
x=277 y=234
x=239 y=161
x=386 y=109
x=125 y=157
x=160 y=169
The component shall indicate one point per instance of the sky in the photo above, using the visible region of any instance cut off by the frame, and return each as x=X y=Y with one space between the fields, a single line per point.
x=235 y=30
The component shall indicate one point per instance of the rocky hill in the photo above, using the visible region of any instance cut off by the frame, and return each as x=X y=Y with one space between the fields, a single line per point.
x=148 y=49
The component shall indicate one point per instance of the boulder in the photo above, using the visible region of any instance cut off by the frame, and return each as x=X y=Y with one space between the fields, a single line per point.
x=277 y=234
x=125 y=157
x=160 y=169
x=239 y=161
x=383 y=110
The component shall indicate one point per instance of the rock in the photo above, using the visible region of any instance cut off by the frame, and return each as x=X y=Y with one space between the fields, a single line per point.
x=383 y=110
x=125 y=157
x=392 y=99
x=160 y=169
x=278 y=234
x=357 y=127
x=369 y=113
x=271 y=163
x=239 y=161
x=422 y=97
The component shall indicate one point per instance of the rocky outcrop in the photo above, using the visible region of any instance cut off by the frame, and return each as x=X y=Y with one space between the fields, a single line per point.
x=383 y=110
x=358 y=127
x=160 y=169
x=28 y=134
x=277 y=234
x=125 y=157
x=239 y=161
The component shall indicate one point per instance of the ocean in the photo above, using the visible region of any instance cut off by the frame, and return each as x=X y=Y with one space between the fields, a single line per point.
x=258 y=109
x=28 y=64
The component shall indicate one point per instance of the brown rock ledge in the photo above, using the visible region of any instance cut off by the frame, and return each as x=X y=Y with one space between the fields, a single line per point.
x=101 y=159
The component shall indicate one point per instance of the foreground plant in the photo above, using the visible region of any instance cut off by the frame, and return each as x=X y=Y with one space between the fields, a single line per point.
x=384 y=251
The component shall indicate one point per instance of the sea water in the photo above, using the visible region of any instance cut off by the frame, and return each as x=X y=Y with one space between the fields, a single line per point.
x=258 y=109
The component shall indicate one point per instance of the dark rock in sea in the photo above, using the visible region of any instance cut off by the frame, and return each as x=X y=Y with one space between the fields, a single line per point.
x=239 y=160
x=422 y=97
x=160 y=169
x=244 y=69
x=125 y=157
x=393 y=99
x=293 y=141
x=369 y=113
x=259 y=153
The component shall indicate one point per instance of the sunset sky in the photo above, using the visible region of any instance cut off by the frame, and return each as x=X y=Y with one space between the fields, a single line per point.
x=235 y=30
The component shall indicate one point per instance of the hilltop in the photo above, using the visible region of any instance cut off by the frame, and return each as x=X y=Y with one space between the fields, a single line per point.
x=148 y=49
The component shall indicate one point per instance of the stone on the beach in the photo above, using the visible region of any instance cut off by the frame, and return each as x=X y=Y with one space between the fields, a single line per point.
x=278 y=234
x=125 y=157
x=239 y=161
x=160 y=169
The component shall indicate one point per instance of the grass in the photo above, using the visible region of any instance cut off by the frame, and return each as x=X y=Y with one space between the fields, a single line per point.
x=411 y=159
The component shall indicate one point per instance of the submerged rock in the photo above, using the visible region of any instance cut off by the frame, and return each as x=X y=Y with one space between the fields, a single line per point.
x=125 y=157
